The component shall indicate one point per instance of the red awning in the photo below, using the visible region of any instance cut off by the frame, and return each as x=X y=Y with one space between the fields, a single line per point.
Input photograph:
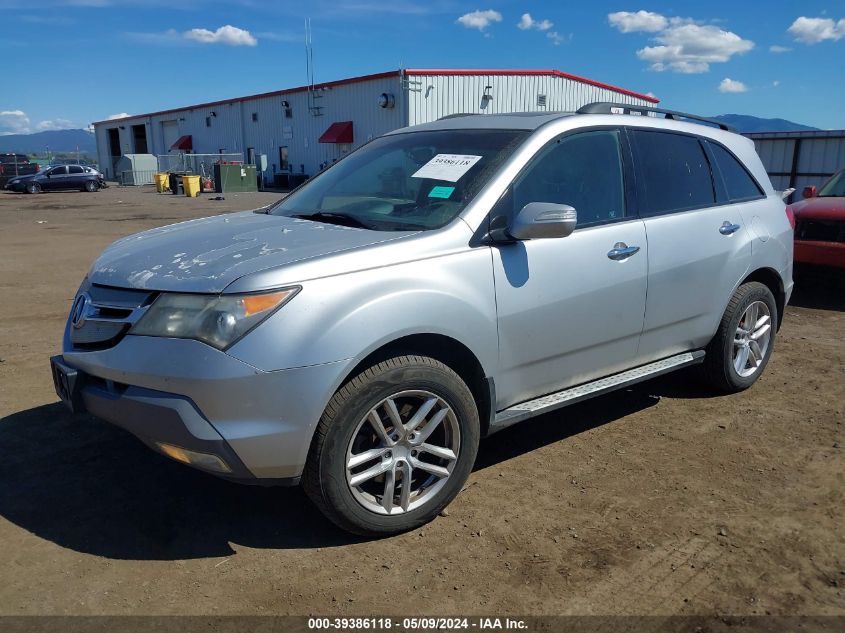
x=184 y=143
x=340 y=132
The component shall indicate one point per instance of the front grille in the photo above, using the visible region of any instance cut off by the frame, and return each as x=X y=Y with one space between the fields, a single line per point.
x=820 y=230
x=108 y=316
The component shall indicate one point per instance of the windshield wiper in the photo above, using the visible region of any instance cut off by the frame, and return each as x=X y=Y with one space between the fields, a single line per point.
x=329 y=217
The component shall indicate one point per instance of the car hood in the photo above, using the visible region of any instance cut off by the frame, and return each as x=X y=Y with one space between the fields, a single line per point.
x=820 y=208
x=25 y=177
x=208 y=254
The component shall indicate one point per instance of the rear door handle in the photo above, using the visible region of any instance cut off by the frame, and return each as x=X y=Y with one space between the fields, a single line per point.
x=621 y=250
x=728 y=228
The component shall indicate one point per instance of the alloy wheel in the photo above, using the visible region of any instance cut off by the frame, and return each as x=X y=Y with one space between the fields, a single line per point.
x=402 y=452
x=752 y=338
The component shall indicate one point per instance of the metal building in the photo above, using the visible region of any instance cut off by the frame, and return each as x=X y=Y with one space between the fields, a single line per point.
x=302 y=129
x=799 y=159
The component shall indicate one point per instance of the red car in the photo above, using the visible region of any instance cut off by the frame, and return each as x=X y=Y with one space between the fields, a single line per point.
x=820 y=224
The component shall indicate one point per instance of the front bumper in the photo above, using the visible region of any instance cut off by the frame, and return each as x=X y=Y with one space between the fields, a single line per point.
x=819 y=253
x=189 y=395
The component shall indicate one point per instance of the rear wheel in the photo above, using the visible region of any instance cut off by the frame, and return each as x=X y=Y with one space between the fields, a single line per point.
x=33 y=187
x=394 y=446
x=740 y=351
x=91 y=186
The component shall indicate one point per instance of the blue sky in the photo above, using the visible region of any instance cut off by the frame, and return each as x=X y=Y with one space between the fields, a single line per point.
x=71 y=62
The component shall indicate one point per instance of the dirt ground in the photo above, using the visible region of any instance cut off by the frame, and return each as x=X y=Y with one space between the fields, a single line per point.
x=662 y=499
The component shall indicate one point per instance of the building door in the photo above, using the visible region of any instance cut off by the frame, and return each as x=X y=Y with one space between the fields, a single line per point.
x=114 y=149
x=284 y=163
x=139 y=139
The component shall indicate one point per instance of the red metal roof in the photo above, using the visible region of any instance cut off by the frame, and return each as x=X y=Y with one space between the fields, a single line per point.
x=340 y=132
x=392 y=73
x=184 y=143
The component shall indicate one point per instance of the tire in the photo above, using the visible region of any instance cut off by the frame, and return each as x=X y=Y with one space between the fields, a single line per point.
x=346 y=431
x=91 y=186
x=721 y=368
x=33 y=187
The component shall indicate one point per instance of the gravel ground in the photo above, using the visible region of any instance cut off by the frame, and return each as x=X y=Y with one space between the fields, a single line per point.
x=661 y=499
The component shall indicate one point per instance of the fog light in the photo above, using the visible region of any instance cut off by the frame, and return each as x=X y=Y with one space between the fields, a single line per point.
x=206 y=461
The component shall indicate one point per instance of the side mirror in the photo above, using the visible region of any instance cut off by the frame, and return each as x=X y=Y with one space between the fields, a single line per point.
x=538 y=220
x=809 y=192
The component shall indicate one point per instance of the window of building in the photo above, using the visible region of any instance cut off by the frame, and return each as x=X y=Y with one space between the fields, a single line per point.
x=738 y=182
x=255 y=116
x=674 y=174
x=208 y=121
x=584 y=171
x=541 y=101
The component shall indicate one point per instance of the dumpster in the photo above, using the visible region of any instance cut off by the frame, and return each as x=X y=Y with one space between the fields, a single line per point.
x=162 y=180
x=191 y=185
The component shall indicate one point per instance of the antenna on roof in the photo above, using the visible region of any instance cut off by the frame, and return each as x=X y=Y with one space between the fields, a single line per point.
x=313 y=95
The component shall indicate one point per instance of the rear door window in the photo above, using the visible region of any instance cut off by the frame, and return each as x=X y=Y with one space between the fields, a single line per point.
x=673 y=173
x=76 y=169
x=738 y=182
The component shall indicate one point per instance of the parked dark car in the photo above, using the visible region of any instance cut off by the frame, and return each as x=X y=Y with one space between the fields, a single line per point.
x=59 y=177
x=15 y=165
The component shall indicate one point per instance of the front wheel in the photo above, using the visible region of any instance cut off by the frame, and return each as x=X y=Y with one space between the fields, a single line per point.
x=394 y=446
x=740 y=351
x=33 y=187
x=91 y=186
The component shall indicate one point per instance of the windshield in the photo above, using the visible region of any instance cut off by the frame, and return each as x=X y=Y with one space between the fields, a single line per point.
x=413 y=181
x=835 y=187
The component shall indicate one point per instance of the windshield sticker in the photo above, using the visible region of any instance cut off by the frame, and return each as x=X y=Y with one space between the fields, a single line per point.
x=449 y=167
x=440 y=192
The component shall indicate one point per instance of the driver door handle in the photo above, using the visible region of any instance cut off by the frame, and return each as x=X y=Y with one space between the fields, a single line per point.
x=622 y=251
x=728 y=228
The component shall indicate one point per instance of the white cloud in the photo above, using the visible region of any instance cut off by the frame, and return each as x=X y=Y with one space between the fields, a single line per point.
x=779 y=49
x=526 y=23
x=55 y=124
x=732 y=86
x=776 y=83
x=480 y=19
x=815 y=30
x=628 y=22
x=685 y=47
x=13 y=122
x=228 y=35
x=119 y=115
x=556 y=38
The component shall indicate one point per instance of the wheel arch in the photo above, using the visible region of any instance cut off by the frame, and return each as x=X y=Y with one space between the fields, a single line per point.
x=773 y=281
x=449 y=351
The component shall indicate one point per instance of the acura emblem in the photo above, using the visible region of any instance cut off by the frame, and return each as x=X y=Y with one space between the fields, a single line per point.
x=80 y=310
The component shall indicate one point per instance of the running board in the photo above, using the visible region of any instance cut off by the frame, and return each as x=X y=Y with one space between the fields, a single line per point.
x=557 y=400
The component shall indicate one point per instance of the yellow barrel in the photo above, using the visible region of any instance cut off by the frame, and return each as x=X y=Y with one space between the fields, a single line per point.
x=162 y=182
x=191 y=185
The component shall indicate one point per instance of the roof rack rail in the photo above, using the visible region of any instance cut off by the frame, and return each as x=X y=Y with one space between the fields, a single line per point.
x=605 y=107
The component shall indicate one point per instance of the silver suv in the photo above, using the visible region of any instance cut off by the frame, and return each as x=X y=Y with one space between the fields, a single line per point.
x=439 y=284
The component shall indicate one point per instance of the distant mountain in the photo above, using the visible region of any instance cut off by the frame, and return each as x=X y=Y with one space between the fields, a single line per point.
x=746 y=123
x=56 y=140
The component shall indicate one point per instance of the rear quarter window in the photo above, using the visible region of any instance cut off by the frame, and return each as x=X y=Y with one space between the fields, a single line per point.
x=738 y=182
x=673 y=173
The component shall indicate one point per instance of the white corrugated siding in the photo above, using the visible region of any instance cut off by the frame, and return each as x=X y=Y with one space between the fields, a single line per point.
x=435 y=96
x=232 y=129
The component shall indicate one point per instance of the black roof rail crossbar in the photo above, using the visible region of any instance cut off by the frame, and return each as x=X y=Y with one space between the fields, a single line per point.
x=605 y=107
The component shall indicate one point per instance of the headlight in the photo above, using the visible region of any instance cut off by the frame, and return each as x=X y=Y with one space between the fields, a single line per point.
x=218 y=320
